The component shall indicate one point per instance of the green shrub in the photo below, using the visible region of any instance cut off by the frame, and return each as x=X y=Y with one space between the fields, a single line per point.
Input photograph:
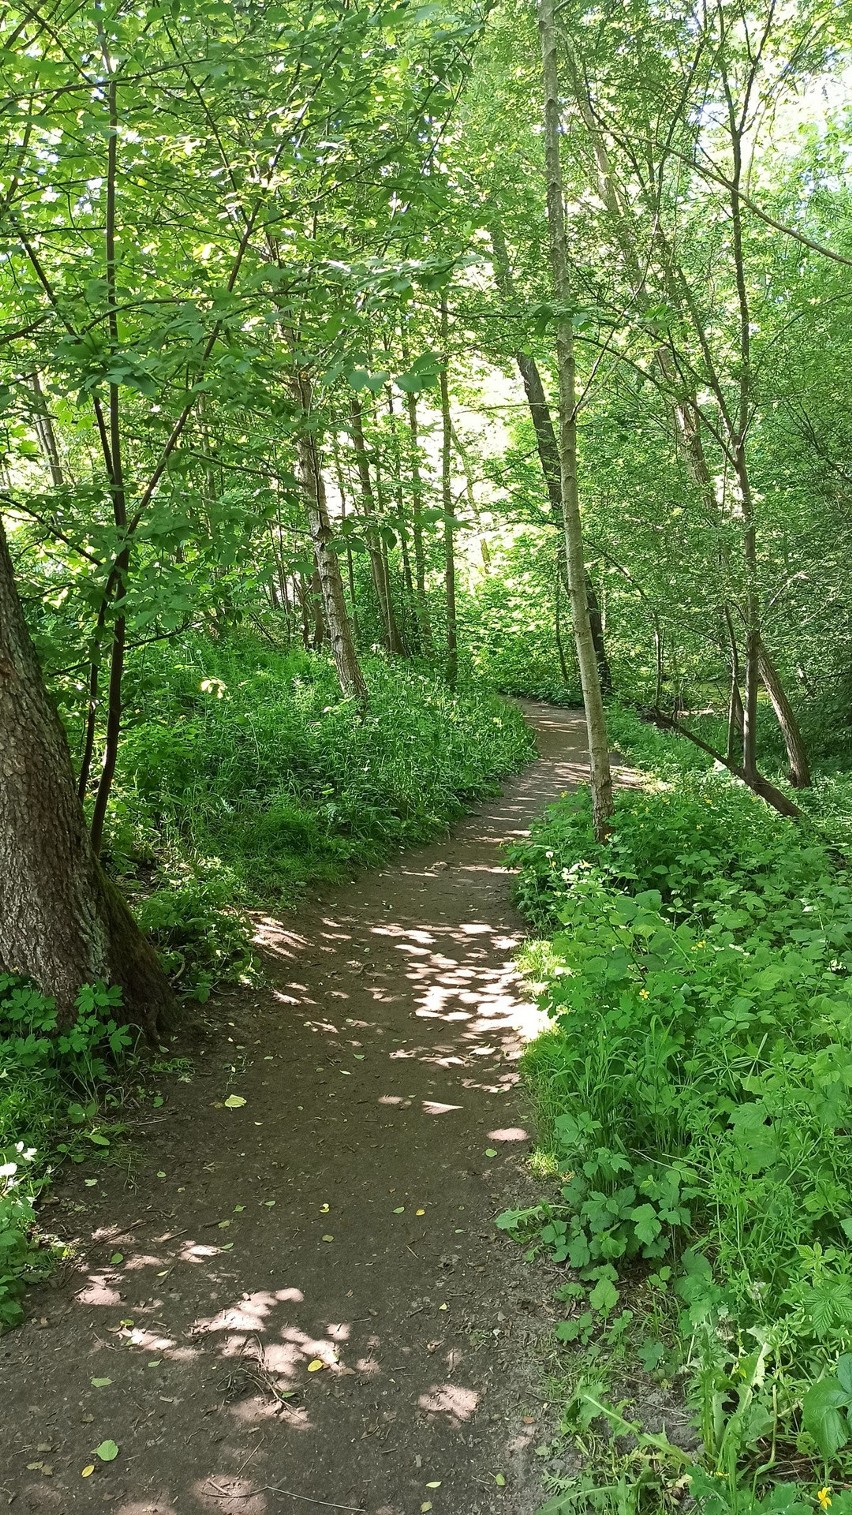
x=695 y=1089
x=244 y=777
x=49 y=1078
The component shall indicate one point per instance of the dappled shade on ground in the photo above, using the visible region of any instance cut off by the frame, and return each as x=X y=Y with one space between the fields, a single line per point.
x=312 y=1300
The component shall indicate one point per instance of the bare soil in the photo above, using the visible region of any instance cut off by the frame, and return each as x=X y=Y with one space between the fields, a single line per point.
x=342 y=1216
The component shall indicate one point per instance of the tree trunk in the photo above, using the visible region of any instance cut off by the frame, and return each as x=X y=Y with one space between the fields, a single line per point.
x=317 y=606
x=374 y=547
x=62 y=923
x=601 y=777
x=799 y=769
x=464 y=459
x=349 y=673
x=417 y=528
x=557 y=622
x=447 y=502
x=350 y=569
x=548 y=451
x=46 y=434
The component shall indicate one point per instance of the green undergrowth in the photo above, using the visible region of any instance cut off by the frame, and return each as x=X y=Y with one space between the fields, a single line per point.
x=244 y=777
x=693 y=1110
x=61 y=1089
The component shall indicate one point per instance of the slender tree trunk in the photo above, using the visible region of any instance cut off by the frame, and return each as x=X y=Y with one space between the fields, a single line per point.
x=547 y=448
x=658 y=663
x=601 y=777
x=46 y=434
x=464 y=459
x=410 y=599
x=735 y=703
x=685 y=410
x=447 y=502
x=374 y=542
x=327 y=562
x=113 y=454
x=799 y=769
x=381 y=506
x=302 y=595
x=62 y=922
x=417 y=527
x=350 y=569
x=557 y=621
x=315 y=594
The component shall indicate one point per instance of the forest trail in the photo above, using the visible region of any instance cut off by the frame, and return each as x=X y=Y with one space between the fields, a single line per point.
x=378 y=1071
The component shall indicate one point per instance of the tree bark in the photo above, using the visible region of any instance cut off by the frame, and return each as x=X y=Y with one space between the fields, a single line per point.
x=464 y=459
x=799 y=770
x=547 y=448
x=447 y=503
x=349 y=673
x=417 y=527
x=46 y=434
x=601 y=777
x=62 y=922
x=374 y=547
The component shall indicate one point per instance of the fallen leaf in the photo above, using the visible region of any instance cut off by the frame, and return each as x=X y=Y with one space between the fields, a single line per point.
x=426 y=1505
x=224 y=1224
x=436 y=1484
x=88 y=1470
x=500 y=1480
x=324 y=1209
x=328 y=1238
x=420 y=1212
x=117 y=1257
x=107 y=1451
x=238 y=1209
x=234 y=1102
x=490 y=1151
x=160 y=1173
x=314 y=1367
x=443 y=1307
x=400 y=1210
x=100 y=1383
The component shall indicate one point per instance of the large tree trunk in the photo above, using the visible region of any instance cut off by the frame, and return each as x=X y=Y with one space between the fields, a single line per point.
x=62 y=923
x=601 y=777
x=327 y=562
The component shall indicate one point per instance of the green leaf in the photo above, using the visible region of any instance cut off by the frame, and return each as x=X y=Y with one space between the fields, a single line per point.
x=107 y=1451
x=604 y=1296
x=822 y=1418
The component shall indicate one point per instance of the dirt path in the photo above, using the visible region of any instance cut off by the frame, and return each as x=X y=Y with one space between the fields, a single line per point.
x=343 y=1215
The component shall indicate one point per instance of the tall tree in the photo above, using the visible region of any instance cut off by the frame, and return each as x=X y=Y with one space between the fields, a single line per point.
x=601 y=777
x=62 y=922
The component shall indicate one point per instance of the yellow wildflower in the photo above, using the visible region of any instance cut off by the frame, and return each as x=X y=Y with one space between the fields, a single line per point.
x=643 y=994
x=824 y=1497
